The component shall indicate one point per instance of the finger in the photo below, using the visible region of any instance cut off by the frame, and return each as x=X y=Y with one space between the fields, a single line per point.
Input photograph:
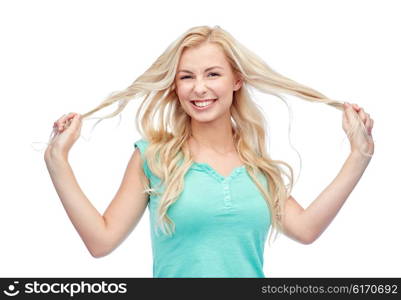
x=69 y=116
x=368 y=125
x=73 y=122
x=59 y=119
x=65 y=117
x=62 y=122
x=368 y=117
x=362 y=115
x=58 y=124
x=68 y=121
x=348 y=111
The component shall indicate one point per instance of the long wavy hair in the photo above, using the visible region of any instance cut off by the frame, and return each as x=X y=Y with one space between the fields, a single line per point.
x=162 y=122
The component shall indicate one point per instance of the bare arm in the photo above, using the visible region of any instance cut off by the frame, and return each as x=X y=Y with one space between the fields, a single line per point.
x=306 y=225
x=86 y=219
x=101 y=234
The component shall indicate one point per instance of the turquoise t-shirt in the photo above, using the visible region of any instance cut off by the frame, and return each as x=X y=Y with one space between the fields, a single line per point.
x=221 y=225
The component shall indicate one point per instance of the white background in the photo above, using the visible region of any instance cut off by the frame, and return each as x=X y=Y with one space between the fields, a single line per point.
x=67 y=56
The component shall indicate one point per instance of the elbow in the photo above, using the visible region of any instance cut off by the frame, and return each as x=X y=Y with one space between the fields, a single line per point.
x=102 y=249
x=98 y=253
x=309 y=238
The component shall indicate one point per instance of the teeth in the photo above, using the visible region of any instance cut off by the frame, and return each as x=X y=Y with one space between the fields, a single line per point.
x=203 y=103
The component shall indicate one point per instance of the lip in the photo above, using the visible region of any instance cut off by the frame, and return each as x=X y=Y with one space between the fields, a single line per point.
x=203 y=108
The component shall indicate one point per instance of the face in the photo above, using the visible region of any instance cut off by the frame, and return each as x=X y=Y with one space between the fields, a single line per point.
x=197 y=80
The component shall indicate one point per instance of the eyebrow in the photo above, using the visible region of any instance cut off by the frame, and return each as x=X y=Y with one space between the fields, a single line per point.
x=187 y=71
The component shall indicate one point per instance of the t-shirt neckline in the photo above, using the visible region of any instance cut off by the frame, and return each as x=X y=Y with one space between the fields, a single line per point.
x=206 y=167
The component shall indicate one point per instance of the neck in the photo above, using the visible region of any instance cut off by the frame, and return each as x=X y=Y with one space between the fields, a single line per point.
x=216 y=136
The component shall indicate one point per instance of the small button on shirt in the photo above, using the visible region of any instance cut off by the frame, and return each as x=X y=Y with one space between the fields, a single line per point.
x=221 y=225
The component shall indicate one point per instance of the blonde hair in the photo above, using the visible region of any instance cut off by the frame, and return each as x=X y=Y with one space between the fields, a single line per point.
x=168 y=155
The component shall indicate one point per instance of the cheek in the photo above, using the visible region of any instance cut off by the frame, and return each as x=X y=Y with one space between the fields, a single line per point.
x=181 y=97
x=222 y=88
x=181 y=91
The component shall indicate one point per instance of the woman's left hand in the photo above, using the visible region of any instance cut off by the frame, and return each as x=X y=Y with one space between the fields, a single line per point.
x=359 y=143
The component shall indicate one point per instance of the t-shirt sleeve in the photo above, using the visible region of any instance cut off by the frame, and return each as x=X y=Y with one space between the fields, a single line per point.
x=142 y=145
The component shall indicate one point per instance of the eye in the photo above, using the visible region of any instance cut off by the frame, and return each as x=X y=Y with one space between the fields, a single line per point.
x=187 y=76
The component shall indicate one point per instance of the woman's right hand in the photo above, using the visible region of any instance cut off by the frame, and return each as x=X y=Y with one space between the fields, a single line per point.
x=67 y=130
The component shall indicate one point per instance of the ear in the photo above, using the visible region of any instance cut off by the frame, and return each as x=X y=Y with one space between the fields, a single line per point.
x=238 y=83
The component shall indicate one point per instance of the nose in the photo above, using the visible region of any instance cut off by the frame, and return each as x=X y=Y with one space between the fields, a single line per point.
x=200 y=87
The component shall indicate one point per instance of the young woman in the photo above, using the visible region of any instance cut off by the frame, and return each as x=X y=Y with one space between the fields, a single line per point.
x=201 y=167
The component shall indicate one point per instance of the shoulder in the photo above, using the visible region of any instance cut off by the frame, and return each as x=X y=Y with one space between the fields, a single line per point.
x=142 y=144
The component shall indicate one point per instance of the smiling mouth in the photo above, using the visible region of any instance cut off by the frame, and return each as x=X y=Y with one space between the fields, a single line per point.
x=203 y=103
